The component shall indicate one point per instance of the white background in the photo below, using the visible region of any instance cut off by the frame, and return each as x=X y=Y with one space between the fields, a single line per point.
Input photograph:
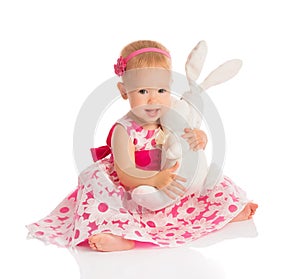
x=55 y=53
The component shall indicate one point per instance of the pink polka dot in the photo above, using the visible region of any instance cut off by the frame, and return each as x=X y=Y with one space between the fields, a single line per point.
x=135 y=141
x=64 y=209
x=39 y=233
x=187 y=235
x=114 y=173
x=219 y=194
x=138 y=233
x=48 y=220
x=151 y=224
x=153 y=142
x=232 y=208
x=190 y=210
x=170 y=234
x=143 y=161
x=138 y=128
x=77 y=233
x=123 y=210
x=102 y=207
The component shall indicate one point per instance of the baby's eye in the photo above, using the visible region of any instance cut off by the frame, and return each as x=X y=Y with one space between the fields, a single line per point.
x=161 y=90
x=143 y=91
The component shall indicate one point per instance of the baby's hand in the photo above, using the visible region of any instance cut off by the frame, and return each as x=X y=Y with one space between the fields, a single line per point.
x=196 y=138
x=167 y=181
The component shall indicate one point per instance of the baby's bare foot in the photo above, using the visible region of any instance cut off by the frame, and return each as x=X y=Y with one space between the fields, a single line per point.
x=247 y=212
x=106 y=242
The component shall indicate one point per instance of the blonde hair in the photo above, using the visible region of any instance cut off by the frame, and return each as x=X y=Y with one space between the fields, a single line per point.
x=147 y=59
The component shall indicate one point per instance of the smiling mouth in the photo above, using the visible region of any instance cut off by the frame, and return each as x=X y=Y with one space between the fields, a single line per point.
x=152 y=112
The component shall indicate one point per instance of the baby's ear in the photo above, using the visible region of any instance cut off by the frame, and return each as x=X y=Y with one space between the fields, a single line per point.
x=122 y=90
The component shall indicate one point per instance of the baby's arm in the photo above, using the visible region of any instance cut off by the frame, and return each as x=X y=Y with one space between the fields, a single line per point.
x=132 y=177
x=123 y=151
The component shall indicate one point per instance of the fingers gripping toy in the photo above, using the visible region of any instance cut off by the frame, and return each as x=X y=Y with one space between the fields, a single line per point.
x=185 y=113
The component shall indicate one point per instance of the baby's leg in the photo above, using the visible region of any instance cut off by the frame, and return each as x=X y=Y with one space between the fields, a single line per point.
x=106 y=242
x=247 y=212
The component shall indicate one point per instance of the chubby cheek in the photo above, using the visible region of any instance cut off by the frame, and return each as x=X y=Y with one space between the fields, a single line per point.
x=164 y=109
x=135 y=101
x=137 y=110
x=166 y=104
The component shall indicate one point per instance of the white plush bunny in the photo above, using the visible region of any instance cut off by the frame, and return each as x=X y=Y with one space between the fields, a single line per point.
x=186 y=113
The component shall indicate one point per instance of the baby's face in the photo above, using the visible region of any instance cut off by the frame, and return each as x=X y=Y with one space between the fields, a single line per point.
x=148 y=92
x=149 y=104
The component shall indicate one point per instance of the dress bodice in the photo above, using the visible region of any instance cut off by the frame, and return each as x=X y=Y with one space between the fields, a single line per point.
x=147 y=149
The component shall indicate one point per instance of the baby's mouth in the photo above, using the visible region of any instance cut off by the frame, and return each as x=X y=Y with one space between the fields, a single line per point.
x=152 y=112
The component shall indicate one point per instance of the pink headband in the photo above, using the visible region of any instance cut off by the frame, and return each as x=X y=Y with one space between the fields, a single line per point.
x=120 y=67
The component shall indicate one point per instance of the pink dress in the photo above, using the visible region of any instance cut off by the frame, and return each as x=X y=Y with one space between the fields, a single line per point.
x=100 y=204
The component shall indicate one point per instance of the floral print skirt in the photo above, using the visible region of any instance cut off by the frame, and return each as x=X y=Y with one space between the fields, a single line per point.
x=100 y=204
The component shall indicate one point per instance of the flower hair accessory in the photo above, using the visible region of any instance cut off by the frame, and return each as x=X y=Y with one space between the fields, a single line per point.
x=120 y=67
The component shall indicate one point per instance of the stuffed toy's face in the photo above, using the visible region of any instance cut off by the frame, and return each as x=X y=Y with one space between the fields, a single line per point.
x=176 y=118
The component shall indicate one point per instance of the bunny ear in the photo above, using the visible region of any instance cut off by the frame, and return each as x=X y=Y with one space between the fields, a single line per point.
x=223 y=73
x=195 y=61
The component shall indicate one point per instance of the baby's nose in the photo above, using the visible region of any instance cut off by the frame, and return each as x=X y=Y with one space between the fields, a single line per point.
x=153 y=97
